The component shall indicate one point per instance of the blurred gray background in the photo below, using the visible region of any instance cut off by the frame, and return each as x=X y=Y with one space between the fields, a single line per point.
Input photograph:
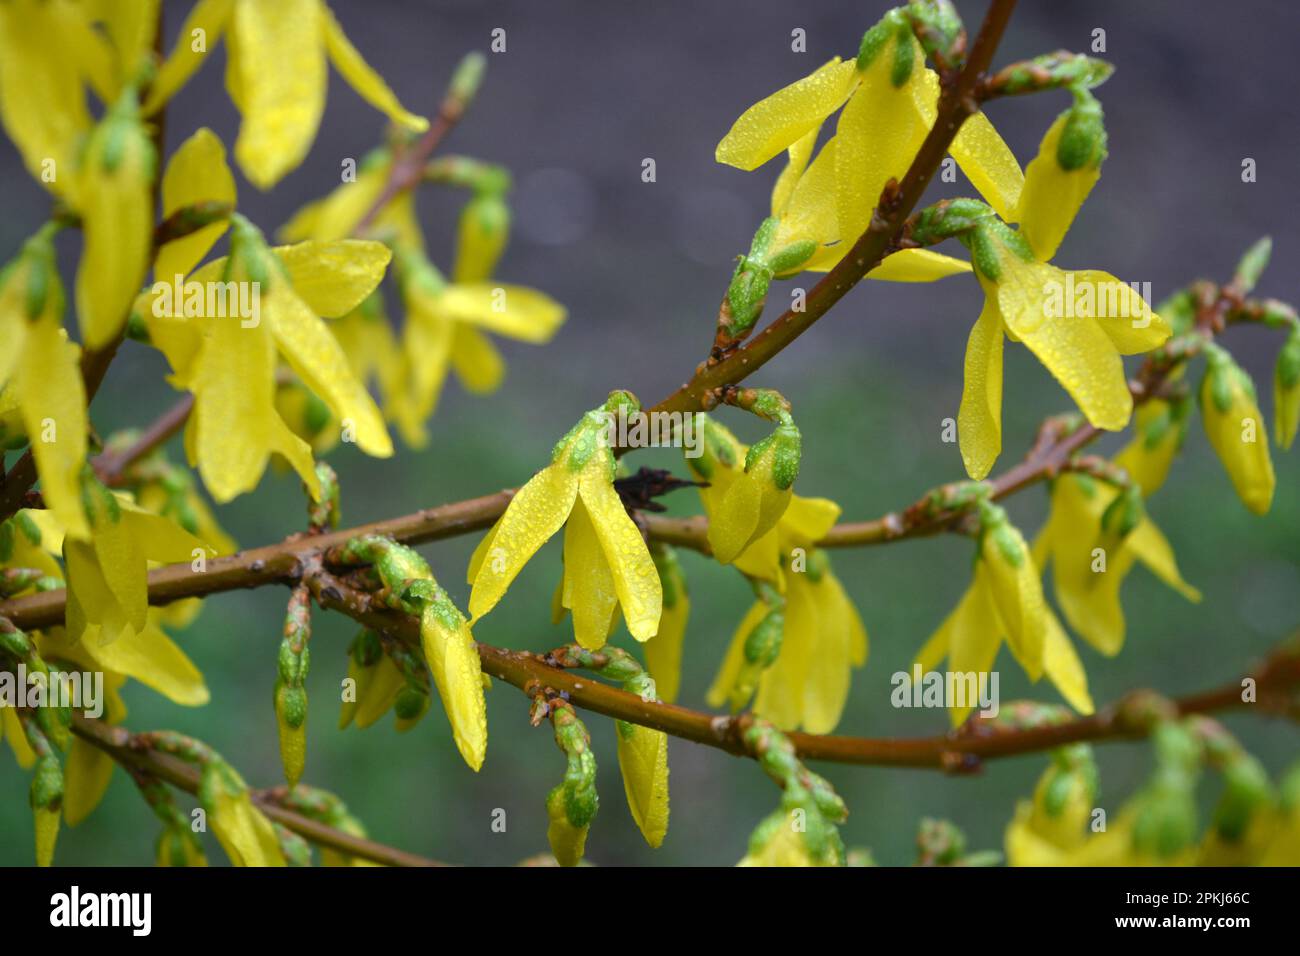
x=585 y=92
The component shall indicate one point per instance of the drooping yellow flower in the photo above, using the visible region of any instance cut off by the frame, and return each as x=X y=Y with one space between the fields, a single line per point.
x=822 y=640
x=40 y=371
x=277 y=52
x=1235 y=428
x=607 y=563
x=454 y=662
x=196 y=173
x=890 y=99
x=1087 y=577
x=748 y=492
x=229 y=360
x=112 y=192
x=1078 y=324
x=1005 y=601
x=663 y=652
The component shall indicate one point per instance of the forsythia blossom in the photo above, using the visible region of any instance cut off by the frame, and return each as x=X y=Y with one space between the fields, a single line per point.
x=607 y=566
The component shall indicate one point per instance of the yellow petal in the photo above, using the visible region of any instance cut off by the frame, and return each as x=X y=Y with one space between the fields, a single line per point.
x=535 y=513
x=827 y=688
x=362 y=78
x=152 y=658
x=979 y=420
x=477 y=362
x=643 y=760
x=774 y=123
x=808 y=520
x=196 y=173
x=981 y=153
x=17 y=738
x=640 y=595
x=377 y=694
x=1156 y=440
x=1017 y=592
x=783 y=689
x=663 y=652
x=1076 y=351
x=976 y=630
x=589 y=590
x=244 y=832
x=203 y=27
x=879 y=133
x=426 y=346
x=314 y=354
x=1052 y=196
x=281 y=76
x=454 y=662
x=47 y=834
x=85 y=778
x=337 y=215
x=918 y=265
x=1062 y=666
x=334 y=277
x=511 y=310
x=1151 y=547
x=53 y=403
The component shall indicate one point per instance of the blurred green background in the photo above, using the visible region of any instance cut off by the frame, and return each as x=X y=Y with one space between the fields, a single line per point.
x=581 y=96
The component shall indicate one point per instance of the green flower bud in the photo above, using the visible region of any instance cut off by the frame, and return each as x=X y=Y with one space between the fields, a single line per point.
x=1246 y=790
x=1253 y=263
x=1083 y=140
x=1286 y=391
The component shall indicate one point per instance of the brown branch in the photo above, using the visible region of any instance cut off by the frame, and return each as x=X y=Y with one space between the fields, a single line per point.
x=112 y=465
x=961 y=750
x=119 y=744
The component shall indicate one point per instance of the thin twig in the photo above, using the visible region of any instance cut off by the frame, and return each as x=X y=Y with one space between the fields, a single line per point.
x=117 y=743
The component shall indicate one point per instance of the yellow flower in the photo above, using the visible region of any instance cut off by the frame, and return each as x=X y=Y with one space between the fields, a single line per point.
x=890 y=99
x=607 y=563
x=1078 y=324
x=112 y=192
x=454 y=662
x=821 y=640
x=643 y=762
x=1235 y=427
x=1047 y=830
x=1005 y=600
x=663 y=652
x=277 y=52
x=229 y=361
x=40 y=371
x=243 y=831
x=197 y=173
x=1088 y=578
x=744 y=506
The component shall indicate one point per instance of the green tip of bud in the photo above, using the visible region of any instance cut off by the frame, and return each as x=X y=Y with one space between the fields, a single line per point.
x=1083 y=140
x=900 y=71
x=1253 y=263
x=467 y=79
